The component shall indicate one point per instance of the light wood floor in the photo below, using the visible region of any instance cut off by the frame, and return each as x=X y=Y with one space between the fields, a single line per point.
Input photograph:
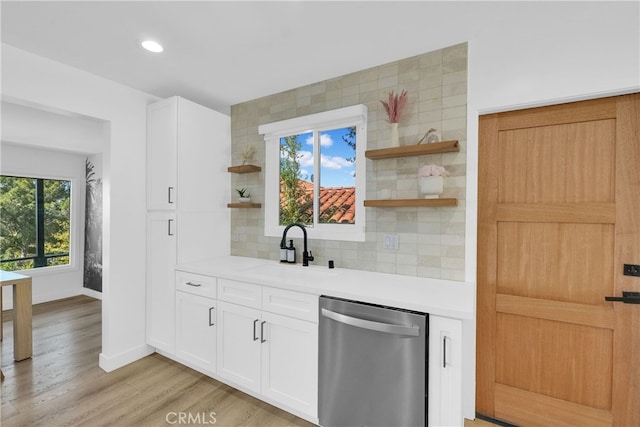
x=62 y=384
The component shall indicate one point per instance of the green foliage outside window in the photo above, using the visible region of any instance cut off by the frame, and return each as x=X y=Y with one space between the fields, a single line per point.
x=295 y=202
x=35 y=217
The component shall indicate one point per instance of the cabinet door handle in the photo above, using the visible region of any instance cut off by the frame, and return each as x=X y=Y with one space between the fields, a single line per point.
x=169 y=191
x=444 y=351
x=169 y=231
x=210 y=311
x=262 y=332
x=195 y=285
x=255 y=322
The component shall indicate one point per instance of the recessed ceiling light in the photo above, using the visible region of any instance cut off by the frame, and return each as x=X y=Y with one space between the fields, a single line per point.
x=152 y=46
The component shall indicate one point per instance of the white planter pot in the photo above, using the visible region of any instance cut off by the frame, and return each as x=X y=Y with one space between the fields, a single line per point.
x=431 y=186
x=244 y=199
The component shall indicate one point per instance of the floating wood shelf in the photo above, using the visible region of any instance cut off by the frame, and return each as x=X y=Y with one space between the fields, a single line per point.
x=413 y=150
x=244 y=205
x=244 y=169
x=410 y=203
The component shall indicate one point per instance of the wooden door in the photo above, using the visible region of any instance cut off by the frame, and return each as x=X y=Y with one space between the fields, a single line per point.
x=558 y=216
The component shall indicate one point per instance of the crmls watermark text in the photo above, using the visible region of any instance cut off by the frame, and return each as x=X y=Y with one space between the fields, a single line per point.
x=190 y=418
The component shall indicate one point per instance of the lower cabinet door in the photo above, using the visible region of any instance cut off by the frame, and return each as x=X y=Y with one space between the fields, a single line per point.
x=445 y=371
x=290 y=362
x=161 y=293
x=196 y=330
x=239 y=344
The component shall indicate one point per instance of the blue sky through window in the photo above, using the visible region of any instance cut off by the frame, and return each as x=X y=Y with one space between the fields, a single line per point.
x=335 y=168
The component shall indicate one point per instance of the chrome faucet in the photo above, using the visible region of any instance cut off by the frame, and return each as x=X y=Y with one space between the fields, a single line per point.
x=306 y=256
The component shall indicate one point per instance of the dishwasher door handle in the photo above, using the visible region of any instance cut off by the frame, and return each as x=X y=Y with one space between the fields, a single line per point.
x=387 y=328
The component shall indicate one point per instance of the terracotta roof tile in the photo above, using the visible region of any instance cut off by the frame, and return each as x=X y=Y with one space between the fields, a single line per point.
x=337 y=204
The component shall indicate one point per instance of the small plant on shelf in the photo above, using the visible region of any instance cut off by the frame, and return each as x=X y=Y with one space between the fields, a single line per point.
x=244 y=195
x=247 y=154
x=431 y=180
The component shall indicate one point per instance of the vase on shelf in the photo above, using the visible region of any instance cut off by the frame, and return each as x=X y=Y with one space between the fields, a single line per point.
x=395 y=138
x=431 y=186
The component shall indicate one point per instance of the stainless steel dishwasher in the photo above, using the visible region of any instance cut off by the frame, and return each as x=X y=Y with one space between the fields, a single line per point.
x=372 y=365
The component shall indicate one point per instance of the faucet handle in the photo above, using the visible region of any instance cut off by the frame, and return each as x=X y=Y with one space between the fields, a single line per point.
x=310 y=256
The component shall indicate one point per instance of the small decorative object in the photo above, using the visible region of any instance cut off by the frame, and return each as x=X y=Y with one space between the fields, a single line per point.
x=394 y=107
x=431 y=180
x=245 y=197
x=429 y=137
x=247 y=154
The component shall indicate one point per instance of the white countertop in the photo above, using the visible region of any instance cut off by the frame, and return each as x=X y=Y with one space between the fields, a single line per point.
x=439 y=297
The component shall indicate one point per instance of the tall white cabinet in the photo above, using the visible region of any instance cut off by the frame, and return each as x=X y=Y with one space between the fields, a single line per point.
x=188 y=152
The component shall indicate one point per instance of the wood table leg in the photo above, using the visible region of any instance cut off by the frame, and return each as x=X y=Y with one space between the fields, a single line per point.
x=22 y=323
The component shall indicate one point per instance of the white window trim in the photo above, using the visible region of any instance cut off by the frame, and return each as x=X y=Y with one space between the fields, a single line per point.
x=355 y=115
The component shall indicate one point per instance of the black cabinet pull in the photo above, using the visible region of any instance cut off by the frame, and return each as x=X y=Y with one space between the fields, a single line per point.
x=262 y=332
x=628 y=297
x=255 y=322
x=444 y=351
x=211 y=321
x=169 y=190
x=169 y=232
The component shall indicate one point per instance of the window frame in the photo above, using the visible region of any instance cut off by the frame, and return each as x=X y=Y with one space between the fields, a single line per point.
x=352 y=116
x=73 y=244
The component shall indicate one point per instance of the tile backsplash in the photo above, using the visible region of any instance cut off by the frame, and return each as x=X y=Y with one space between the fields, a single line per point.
x=431 y=240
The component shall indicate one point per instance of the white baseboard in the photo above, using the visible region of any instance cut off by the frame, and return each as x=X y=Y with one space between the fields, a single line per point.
x=111 y=363
x=91 y=293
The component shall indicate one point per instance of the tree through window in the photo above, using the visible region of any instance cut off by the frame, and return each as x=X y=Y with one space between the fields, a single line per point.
x=35 y=219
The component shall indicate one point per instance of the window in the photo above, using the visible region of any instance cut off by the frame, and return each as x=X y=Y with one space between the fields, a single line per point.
x=35 y=219
x=315 y=174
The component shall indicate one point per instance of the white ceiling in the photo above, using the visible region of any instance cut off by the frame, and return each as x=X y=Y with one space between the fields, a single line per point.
x=223 y=53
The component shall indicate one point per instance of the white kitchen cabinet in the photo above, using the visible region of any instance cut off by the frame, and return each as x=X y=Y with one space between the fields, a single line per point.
x=196 y=330
x=162 y=172
x=445 y=371
x=160 y=263
x=188 y=151
x=239 y=346
x=290 y=362
x=271 y=354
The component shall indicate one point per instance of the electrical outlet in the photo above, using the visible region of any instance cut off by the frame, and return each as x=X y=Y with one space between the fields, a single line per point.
x=390 y=241
x=631 y=270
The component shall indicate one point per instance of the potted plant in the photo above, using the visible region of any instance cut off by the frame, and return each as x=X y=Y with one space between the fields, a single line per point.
x=431 y=180
x=245 y=197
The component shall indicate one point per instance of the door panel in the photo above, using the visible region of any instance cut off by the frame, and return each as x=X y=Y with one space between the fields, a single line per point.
x=558 y=215
x=557 y=367
x=556 y=261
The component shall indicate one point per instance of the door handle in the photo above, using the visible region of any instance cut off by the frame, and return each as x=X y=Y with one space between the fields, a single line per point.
x=444 y=351
x=210 y=311
x=255 y=322
x=169 y=232
x=262 y=332
x=628 y=297
x=389 y=328
x=169 y=191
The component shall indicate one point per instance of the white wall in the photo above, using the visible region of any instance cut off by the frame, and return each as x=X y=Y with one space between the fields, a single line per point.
x=40 y=82
x=54 y=282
